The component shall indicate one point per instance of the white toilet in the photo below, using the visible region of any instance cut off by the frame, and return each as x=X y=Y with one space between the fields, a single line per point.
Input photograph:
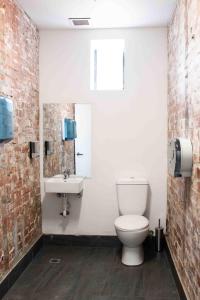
x=132 y=227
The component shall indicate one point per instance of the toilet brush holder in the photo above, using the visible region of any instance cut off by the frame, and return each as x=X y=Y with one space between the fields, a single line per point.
x=159 y=237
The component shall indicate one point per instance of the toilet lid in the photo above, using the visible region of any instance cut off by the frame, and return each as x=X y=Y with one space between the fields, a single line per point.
x=131 y=222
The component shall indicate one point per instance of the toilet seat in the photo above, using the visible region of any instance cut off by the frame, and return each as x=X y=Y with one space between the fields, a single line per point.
x=131 y=223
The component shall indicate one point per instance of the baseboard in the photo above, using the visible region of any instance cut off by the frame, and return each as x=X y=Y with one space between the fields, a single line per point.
x=82 y=240
x=174 y=272
x=17 y=270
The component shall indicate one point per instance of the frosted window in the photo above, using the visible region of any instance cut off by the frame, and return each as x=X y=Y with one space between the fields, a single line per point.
x=107 y=64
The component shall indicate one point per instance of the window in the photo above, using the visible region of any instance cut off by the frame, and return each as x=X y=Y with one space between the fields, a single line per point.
x=107 y=64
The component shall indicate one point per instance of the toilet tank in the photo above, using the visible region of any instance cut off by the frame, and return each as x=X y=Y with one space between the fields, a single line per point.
x=132 y=195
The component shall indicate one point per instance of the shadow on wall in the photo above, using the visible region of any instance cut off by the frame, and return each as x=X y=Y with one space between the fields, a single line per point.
x=149 y=202
x=53 y=207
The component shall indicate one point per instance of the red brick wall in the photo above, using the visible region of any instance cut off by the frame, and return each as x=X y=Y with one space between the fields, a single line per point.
x=20 y=216
x=183 y=217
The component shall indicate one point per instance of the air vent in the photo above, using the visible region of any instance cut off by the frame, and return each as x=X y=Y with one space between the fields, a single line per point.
x=80 y=21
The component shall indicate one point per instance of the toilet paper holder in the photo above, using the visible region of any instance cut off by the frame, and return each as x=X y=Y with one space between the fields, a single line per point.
x=180 y=157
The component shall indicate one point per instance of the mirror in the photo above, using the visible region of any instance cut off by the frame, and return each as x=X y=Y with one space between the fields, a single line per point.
x=67 y=139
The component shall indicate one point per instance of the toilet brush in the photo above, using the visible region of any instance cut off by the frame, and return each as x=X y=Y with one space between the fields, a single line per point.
x=159 y=237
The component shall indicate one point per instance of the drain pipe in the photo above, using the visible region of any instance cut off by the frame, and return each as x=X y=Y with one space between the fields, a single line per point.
x=66 y=205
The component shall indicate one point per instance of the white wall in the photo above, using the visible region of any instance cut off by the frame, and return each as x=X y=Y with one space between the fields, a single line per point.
x=128 y=127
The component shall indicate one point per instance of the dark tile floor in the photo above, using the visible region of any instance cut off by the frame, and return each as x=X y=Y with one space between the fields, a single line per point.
x=90 y=273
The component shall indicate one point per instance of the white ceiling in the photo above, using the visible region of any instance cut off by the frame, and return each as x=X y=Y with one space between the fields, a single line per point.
x=103 y=13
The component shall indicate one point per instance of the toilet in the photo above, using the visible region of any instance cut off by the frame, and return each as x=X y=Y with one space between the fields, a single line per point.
x=132 y=227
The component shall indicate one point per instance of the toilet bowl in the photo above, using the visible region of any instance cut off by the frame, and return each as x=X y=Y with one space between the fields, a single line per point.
x=132 y=231
x=132 y=227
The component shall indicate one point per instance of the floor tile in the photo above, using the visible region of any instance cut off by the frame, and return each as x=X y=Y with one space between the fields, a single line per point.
x=93 y=273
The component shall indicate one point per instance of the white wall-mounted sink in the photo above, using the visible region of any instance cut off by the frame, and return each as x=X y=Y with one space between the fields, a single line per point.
x=57 y=184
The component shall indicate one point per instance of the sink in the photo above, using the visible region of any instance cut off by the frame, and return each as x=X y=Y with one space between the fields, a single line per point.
x=57 y=184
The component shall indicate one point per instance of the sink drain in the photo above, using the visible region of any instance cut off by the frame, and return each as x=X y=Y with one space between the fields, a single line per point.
x=55 y=261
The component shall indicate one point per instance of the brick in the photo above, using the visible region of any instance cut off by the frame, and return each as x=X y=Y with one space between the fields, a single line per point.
x=183 y=207
x=19 y=177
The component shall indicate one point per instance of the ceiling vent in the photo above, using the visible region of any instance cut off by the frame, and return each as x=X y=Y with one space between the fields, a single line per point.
x=80 y=21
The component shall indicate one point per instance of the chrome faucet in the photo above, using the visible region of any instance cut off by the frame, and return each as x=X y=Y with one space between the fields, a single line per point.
x=66 y=173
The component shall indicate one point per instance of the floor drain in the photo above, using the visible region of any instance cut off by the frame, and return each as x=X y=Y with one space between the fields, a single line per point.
x=55 y=261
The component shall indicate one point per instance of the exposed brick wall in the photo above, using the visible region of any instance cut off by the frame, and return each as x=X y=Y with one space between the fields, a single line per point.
x=63 y=156
x=183 y=217
x=20 y=212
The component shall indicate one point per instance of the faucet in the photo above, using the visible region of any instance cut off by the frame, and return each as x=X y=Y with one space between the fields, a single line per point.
x=66 y=173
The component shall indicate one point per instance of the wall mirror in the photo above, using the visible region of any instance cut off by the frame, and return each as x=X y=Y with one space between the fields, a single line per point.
x=67 y=139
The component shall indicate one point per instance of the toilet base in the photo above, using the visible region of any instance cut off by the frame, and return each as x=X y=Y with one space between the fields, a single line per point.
x=132 y=256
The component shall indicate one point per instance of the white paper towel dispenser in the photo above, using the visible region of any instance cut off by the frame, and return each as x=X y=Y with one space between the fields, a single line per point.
x=180 y=157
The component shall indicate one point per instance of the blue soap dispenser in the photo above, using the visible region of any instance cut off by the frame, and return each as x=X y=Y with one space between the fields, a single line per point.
x=69 y=129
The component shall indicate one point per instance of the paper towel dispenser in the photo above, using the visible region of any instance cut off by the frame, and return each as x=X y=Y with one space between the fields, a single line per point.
x=180 y=157
x=6 y=119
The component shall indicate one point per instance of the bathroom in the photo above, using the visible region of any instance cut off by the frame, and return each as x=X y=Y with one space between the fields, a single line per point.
x=69 y=244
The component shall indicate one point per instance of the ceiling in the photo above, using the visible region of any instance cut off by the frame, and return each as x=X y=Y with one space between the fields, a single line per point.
x=54 y=14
